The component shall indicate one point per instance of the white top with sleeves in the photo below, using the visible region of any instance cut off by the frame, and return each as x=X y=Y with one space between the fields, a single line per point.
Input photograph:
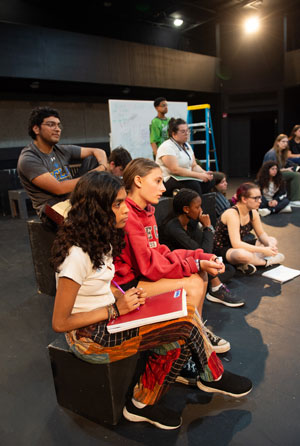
x=94 y=291
x=170 y=147
x=270 y=191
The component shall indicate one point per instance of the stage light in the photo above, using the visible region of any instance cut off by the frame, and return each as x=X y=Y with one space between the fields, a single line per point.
x=251 y=25
x=178 y=22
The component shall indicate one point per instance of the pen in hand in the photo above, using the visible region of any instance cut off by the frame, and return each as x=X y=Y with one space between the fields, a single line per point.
x=119 y=288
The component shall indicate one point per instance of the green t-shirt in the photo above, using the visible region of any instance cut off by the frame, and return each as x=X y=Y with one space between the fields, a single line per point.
x=159 y=130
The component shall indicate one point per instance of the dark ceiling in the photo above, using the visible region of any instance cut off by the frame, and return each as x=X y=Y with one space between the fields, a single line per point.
x=140 y=20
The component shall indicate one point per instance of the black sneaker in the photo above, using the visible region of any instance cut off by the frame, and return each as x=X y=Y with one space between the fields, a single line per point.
x=160 y=416
x=230 y=384
x=219 y=345
x=189 y=374
x=246 y=268
x=224 y=296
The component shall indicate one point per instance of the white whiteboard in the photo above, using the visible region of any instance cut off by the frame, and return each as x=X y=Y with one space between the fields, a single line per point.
x=130 y=124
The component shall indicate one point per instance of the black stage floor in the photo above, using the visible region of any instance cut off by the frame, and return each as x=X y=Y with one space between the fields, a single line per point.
x=264 y=337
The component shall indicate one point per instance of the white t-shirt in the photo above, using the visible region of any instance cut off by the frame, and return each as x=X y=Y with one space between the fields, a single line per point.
x=94 y=291
x=185 y=157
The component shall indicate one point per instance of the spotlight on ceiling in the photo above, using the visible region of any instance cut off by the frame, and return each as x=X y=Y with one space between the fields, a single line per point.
x=251 y=25
x=178 y=22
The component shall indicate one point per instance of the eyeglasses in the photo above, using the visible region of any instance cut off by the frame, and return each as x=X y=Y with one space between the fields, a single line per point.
x=53 y=125
x=258 y=198
x=184 y=132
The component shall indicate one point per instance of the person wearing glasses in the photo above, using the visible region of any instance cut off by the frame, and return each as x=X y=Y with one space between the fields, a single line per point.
x=43 y=165
x=233 y=229
x=177 y=162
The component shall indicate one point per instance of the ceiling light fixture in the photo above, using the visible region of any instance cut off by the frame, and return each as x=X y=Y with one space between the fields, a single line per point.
x=178 y=22
x=251 y=25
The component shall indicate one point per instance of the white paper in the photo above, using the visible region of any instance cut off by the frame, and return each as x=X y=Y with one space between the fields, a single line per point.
x=281 y=273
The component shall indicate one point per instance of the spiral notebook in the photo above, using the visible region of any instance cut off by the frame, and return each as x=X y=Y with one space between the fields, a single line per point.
x=158 y=308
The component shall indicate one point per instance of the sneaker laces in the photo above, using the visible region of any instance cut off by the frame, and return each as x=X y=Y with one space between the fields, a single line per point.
x=211 y=335
x=225 y=288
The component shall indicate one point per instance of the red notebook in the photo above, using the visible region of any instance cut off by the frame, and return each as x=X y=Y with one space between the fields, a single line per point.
x=159 y=308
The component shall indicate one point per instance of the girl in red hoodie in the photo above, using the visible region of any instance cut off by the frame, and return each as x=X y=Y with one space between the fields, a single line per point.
x=146 y=264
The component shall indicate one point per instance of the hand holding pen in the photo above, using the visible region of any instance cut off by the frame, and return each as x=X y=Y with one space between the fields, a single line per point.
x=130 y=299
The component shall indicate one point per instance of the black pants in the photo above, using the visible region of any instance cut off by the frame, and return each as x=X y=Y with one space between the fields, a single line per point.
x=198 y=186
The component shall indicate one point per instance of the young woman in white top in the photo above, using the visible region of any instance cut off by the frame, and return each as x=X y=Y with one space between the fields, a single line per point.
x=274 y=195
x=177 y=161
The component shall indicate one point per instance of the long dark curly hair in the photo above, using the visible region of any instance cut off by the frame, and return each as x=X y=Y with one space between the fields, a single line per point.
x=91 y=221
x=263 y=176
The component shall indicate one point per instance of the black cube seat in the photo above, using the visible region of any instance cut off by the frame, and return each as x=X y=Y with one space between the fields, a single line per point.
x=41 y=241
x=94 y=391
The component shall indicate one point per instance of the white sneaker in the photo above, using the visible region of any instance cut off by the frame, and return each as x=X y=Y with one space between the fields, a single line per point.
x=246 y=268
x=263 y=212
x=219 y=345
x=275 y=260
x=295 y=204
x=286 y=210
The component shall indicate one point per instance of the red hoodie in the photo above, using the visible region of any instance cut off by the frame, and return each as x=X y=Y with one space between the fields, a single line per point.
x=144 y=256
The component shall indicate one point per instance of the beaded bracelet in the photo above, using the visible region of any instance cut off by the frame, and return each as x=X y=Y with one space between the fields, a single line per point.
x=112 y=312
x=116 y=309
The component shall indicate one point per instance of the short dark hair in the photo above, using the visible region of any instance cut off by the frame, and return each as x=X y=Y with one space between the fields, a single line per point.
x=38 y=115
x=158 y=101
x=120 y=156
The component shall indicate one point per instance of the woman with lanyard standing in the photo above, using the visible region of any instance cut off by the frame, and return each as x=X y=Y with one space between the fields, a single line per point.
x=177 y=162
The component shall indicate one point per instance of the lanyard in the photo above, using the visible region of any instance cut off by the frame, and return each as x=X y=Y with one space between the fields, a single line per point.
x=180 y=147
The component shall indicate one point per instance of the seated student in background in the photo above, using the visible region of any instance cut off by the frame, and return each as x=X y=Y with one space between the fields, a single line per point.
x=176 y=157
x=159 y=124
x=234 y=227
x=117 y=161
x=83 y=258
x=279 y=153
x=43 y=166
x=220 y=188
x=294 y=144
x=274 y=195
x=185 y=232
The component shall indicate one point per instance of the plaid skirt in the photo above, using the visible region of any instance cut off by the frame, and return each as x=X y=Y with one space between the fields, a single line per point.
x=169 y=343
